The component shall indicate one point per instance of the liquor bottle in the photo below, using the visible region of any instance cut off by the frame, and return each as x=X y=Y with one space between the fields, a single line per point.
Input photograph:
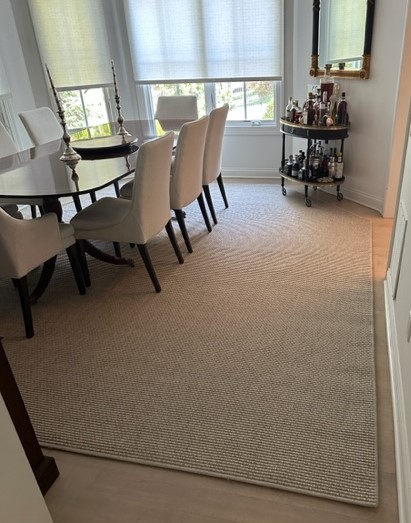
x=317 y=104
x=332 y=167
x=304 y=118
x=323 y=109
x=327 y=82
x=342 y=110
x=289 y=166
x=310 y=98
x=288 y=109
x=310 y=113
x=296 y=112
x=295 y=168
x=339 y=168
x=334 y=98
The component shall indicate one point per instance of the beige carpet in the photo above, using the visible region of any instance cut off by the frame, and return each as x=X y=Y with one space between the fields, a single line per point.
x=255 y=363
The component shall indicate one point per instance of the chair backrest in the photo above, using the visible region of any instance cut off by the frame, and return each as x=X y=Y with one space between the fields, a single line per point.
x=214 y=144
x=150 y=201
x=7 y=146
x=187 y=169
x=173 y=111
x=41 y=125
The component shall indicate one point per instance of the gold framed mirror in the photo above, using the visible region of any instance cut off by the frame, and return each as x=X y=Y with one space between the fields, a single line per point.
x=358 y=63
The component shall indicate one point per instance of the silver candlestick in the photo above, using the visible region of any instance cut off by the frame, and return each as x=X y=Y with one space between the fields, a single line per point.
x=122 y=131
x=69 y=156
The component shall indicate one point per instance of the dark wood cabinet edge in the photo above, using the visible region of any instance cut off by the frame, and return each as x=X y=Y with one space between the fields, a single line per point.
x=44 y=468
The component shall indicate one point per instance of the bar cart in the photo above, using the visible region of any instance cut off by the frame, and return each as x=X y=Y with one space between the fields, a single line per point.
x=312 y=134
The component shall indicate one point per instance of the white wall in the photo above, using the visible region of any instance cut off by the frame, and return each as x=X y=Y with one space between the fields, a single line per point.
x=20 y=498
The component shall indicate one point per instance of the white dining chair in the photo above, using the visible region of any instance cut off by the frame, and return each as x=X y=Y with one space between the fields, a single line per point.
x=212 y=156
x=187 y=173
x=173 y=111
x=138 y=219
x=41 y=125
x=10 y=205
x=27 y=244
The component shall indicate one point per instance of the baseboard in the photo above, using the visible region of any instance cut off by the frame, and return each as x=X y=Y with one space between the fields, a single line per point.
x=250 y=174
x=402 y=458
x=360 y=197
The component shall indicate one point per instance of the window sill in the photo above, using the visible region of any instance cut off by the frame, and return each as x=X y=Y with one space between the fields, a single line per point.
x=242 y=129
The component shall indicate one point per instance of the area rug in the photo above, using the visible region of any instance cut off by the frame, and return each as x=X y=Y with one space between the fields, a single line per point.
x=255 y=363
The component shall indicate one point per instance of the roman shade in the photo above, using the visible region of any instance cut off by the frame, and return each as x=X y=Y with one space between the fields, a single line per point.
x=205 y=40
x=72 y=40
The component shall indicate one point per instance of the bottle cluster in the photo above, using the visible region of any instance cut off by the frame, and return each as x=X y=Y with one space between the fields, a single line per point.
x=323 y=162
x=324 y=106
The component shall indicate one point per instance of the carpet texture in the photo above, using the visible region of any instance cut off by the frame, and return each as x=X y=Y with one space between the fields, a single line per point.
x=255 y=363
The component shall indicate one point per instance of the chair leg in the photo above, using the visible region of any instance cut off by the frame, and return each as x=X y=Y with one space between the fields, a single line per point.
x=117 y=188
x=222 y=190
x=180 y=218
x=93 y=196
x=173 y=241
x=22 y=286
x=33 y=211
x=72 y=254
x=44 y=280
x=77 y=202
x=117 y=249
x=207 y=193
x=201 y=203
x=83 y=262
x=149 y=266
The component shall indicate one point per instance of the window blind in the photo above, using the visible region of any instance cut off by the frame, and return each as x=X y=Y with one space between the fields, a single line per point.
x=72 y=40
x=205 y=40
x=346 y=26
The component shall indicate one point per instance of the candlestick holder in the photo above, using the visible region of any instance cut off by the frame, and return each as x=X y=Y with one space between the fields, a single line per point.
x=122 y=131
x=69 y=156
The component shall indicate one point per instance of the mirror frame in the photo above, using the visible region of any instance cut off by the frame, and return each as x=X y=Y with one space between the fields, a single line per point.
x=362 y=73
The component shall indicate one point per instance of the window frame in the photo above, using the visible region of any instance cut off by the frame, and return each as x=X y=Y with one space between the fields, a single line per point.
x=143 y=92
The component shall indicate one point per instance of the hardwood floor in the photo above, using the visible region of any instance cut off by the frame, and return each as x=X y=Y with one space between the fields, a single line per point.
x=93 y=490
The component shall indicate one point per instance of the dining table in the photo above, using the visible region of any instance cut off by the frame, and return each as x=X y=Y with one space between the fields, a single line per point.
x=40 y=172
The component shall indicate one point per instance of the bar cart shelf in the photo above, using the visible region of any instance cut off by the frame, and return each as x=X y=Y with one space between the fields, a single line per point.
x=312 y=133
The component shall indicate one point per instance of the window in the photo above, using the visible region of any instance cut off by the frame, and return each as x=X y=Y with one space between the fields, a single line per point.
x=248 y=101
x=87 y=111
x=221 y=51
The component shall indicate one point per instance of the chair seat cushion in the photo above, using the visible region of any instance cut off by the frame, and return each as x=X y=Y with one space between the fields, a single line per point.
x=106 y=214
x=101 y=214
